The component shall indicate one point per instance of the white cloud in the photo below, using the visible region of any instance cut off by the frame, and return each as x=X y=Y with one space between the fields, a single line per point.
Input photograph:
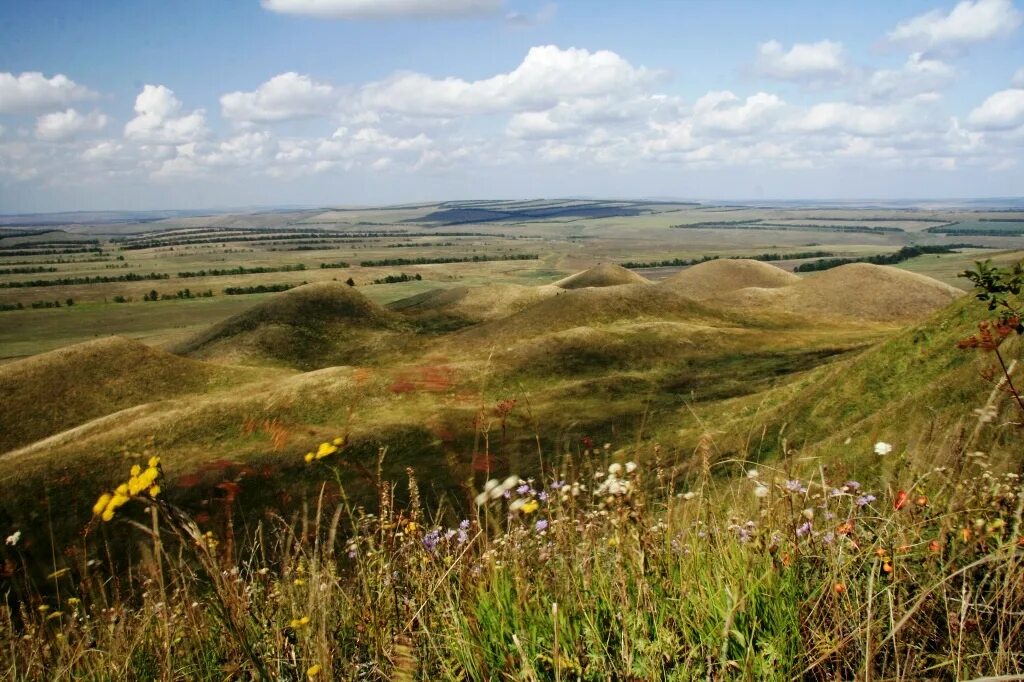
x=1002 y=111
x=65 y=125
x=970 y=22
x=1018 y=78
x=724 y=112
x=818 y=63
x=853 y=119
x=548 y=75
x=384 y=9
x=158 y=121
x=285 y=96
x=102 y=151
x=32 y=91
x=920 y=75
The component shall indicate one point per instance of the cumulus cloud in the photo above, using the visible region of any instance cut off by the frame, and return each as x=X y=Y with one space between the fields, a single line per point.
x=158 y=120
x=853 y=119
x=1002 y=111
x=920 y=75
x=65 y=125
x=970 y=22
x=724 y=112
x=817 y=63
x=384 y=9
x=32 y=91
x=285 y=96
x=547 y=76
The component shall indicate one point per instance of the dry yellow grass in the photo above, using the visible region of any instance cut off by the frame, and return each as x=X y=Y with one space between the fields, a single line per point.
x=714 y=278
x=603 y=275
x=860 y=291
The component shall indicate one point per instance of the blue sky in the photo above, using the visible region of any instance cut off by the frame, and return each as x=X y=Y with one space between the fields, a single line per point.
x=186 y=104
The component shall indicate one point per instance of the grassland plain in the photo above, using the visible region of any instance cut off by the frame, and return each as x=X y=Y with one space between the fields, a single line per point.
x=493 y=369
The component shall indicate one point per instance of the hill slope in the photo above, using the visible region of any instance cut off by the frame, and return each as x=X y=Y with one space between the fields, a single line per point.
x=603 y=275
x=716 y=277
x=312 y=326
x=860 y=291
x=55 y=391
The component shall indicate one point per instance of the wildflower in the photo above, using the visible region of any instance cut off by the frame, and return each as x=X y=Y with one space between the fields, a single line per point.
x=900 y=501
x=690 y=495
x=13 y=538
x=851 y=486
x=795 y=487
x=73 y=601
x=630 y=467
x=411 y=527
x=804 y=529
x=313 y=671
x=882 y=448
x=921 y=501
x=308 y=457
x=753 y=473
x=43 y=608
x=523 y=489
x=828 y=538
x=136 y=470
x=761 y=491
x=325 y=450
x=541 y=525
x=299 y=582
x=934 y=546
x=615 y=469
x=297 y=623
x=808 y=514
x=338 y=441
x=839 y=588
x=887 y=566
x=431 y=539
x=530 y=506
x=153 y=463
x=865 y=500
x=153 y=491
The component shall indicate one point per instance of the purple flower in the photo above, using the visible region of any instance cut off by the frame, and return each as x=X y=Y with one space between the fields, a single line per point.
x=464 y=524
x=556 y=485
x=523 y=489
x=795 y=487
x=828 y=538
x=430 y=540
x=543 y=496
x=865 y=500
x=463 y=537
x=541 y=525
x=852 y=485
x=804 y=529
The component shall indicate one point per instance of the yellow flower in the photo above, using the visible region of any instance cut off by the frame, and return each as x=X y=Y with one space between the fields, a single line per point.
x=154 y=462
x=339 y=441
x=325 y=450
x=299 y=581
x=121 y=489
x=43 y=608
x=73 y=601
x=313 y=671
x=101 y=504
x=308 y=457
x=530 y=506
x=108 y=514
x=136 y=470
x=411 y=527
x=154 y=490
x=299 y=622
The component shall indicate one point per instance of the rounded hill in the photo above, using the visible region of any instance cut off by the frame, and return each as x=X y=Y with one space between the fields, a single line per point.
x=308 y=327
x=878 y=293
x=54 y=391
x=715 y=277
x=603 y=275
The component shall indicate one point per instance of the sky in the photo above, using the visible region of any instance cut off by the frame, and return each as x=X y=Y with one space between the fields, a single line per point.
x=149 y=104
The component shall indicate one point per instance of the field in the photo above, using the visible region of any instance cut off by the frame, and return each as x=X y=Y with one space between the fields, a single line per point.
x=324 y=437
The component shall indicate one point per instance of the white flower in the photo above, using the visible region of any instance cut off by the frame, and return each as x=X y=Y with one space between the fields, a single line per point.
x=761 y=491
x=882 y=448
x=615 y=469
x=630 y=467
x=808 y=514
x=690 y=495
x=753 y=473
x=13 y=538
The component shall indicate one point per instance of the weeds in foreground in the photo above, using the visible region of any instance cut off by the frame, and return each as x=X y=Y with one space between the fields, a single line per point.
x=608 y=570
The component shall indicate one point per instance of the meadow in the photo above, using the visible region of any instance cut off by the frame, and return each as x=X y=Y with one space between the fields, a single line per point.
x=527 y=463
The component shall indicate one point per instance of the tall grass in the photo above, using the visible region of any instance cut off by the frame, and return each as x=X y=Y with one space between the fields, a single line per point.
x=608 y=568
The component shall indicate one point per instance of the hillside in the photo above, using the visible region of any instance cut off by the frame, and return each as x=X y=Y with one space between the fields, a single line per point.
x=55 y=391
x=462 y=306
x=308 y=327
x=603 y=275
x=717 y=277
x=861 y=291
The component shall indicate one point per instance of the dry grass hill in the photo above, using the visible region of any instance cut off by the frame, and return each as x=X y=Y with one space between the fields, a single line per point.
x=717 y=277
x=309 y=327
x=603 y=275
x=54 y=391
x=872 y=293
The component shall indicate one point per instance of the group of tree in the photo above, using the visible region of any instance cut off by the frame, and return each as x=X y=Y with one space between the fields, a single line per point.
x=684 y=262
x=427 y=260
x=98 y=279
x=240 y=270
x=259 y=289
x=904 y=254
x=393 y=279
x=179 y=294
